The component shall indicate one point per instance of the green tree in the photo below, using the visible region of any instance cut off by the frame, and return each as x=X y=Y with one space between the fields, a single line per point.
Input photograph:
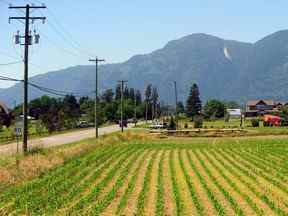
x=132 y=94
x=154 y=99
x=53 y=120
x=138 y=98
x=214 y=109
x=194 y=105
x=128 y=110
x=126 y=93
x=108 y=96
x=71 y=110
x=148 y=95
x=232 y=105
x=118 y=92
x=180 y=107
x=110 y=111
x=87 y=108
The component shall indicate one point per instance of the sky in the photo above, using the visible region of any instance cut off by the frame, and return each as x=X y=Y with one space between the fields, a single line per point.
x=118 y=29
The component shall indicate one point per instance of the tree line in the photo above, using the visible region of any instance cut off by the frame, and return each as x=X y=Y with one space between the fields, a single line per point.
x=65 y=113
x=57 y=114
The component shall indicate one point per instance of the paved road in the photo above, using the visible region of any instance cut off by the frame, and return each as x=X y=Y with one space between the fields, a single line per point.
x=57 y=140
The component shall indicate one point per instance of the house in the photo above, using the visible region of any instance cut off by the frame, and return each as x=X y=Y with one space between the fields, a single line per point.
x=5 y=117
x=260 y=107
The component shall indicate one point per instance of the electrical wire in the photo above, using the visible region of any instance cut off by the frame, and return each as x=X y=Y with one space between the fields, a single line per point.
x=48 y=90
x=9 y=79
x=11 y=63
x=65 y=35
x=58 y=92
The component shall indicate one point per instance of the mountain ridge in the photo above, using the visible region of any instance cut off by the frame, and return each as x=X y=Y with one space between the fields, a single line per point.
x=223 y=69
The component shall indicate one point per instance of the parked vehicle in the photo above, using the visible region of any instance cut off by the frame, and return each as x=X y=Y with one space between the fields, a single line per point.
x=159 y=126
x=83 y=124
x=271 y=120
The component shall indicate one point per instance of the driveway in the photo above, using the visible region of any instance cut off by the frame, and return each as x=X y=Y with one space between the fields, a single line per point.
x=57 y=140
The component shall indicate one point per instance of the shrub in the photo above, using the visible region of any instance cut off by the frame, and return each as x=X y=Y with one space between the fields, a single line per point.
x=172 y=124
x=255 y=122
x=198 y=121
x=186 y=126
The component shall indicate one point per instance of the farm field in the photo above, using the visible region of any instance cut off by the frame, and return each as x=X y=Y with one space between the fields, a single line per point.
x=222 y=176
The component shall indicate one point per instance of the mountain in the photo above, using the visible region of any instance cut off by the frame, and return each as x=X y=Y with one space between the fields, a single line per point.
x=223 y=69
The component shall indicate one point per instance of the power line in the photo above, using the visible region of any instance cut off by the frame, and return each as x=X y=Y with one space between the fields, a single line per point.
x=3 y=53
x=48 y=90
x=65 y=35
x=59 y=92
x=67 y=40
x=52 y=42
x=11 y=63
x=4 y=78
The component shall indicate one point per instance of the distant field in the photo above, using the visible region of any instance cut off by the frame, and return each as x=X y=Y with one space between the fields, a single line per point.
x=246 y=176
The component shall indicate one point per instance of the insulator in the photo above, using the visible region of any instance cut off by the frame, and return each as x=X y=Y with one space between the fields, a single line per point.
x=36 y=38
x=17 y=39
x=30 y=40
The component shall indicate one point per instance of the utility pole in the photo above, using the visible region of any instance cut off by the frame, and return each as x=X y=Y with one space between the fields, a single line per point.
x=176 y=103
x=122 y=90
x=96 y=60
x=135 y=109
x=28 y=41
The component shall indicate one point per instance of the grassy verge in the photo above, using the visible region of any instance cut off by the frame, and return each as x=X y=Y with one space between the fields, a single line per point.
x=19 y=168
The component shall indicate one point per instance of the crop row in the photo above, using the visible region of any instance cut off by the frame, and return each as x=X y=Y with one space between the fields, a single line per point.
x=233 y=180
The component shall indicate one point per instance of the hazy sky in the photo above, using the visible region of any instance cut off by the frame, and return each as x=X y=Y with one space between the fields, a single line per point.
x=119 y=29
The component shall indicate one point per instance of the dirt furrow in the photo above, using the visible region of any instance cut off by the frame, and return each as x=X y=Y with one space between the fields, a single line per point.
x=152 y=192
x=112 y=208
x=240 y=202
x=169 y=204
x=239 y=180
x=131 y=205
x=209 y=210
x=186 y=200
x=219 y=196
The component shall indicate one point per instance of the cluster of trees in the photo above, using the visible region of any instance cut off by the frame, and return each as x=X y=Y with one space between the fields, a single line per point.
x=213 y=109
x=65 y=113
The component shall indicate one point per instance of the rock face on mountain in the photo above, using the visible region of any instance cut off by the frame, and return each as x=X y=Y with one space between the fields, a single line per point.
x=223 y=69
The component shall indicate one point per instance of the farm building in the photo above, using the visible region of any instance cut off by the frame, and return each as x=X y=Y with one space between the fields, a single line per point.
x=234 y=113
x=5 y=118
x=261 y=107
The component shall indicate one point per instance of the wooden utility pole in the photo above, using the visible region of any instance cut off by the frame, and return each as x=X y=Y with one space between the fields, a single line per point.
x=122 y=90
x=96 y=60
x=28 y=41
x=135 y=109
x=176 y=104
